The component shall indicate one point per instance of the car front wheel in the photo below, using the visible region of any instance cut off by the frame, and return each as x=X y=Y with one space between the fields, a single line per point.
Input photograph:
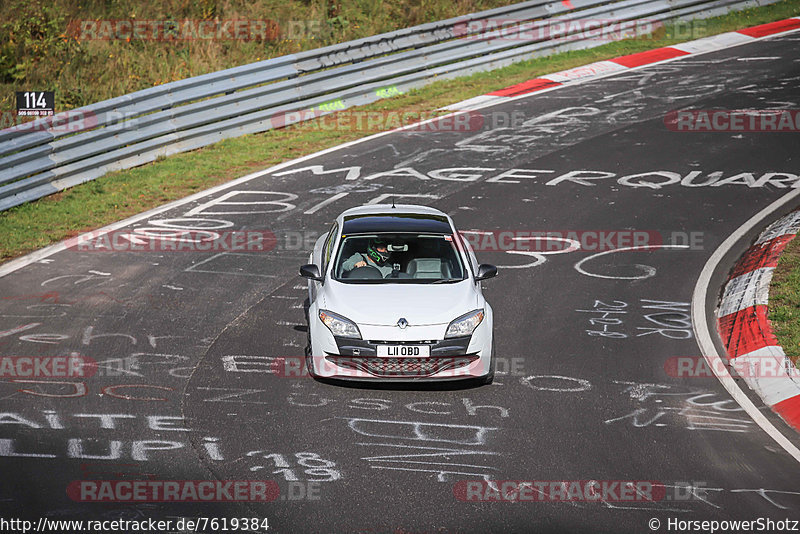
x=489 y=378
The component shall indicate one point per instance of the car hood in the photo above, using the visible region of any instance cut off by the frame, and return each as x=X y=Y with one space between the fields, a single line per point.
x=384 y=304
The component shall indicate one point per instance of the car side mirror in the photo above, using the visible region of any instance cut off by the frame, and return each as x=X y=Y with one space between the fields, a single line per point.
x=485 y=271
x=311 y=272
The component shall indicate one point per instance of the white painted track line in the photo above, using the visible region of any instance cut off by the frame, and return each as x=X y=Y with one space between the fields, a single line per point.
x=703 y=335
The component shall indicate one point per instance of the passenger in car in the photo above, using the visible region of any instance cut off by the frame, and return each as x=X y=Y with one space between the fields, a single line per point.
x=377 y=256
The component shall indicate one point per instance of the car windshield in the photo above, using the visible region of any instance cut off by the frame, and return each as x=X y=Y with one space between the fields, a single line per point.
x=398 y=258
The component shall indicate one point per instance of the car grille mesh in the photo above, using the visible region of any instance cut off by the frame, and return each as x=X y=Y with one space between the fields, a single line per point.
x=402 y=367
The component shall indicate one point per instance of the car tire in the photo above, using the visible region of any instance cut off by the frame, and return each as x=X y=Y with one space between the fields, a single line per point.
x=307 y=351
x=310 y=366
x=489 y=378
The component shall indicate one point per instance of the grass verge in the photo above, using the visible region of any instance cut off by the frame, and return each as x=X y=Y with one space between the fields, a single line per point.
x=784 y=301
x=125 y=193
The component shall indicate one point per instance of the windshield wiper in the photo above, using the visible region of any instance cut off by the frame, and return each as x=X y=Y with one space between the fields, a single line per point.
x=446 y=281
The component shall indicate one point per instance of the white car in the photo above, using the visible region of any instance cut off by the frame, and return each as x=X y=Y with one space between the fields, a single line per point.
x=395 y=294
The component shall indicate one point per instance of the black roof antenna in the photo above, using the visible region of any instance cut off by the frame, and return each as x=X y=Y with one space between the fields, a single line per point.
x=393 y=203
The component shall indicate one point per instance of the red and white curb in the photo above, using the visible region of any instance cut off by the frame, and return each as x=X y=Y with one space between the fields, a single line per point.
x=632 y=61
x=752 y=348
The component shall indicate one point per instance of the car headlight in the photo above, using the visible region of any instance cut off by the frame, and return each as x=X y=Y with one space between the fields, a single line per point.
x=338 y=325
x=464 y=325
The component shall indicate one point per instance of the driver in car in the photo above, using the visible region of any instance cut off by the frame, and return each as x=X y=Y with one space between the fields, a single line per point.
x=377 y=256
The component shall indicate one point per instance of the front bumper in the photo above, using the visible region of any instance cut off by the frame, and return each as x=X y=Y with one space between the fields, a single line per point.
x=399 y=368
x=356 y=359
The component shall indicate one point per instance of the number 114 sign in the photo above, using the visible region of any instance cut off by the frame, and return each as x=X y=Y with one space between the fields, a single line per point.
x=35 y=103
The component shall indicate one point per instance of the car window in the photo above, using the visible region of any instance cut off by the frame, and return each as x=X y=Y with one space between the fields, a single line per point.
x=403 y=258
x=326 y=251
x=466 y=247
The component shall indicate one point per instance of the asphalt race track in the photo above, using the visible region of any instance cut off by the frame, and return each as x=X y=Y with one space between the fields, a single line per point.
x=190 y=385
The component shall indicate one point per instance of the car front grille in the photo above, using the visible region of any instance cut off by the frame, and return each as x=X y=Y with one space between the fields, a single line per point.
x=358 y=348
x=402 y=367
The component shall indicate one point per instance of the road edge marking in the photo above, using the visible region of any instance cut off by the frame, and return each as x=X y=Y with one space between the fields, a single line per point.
x=613 y=66
x=703 y=334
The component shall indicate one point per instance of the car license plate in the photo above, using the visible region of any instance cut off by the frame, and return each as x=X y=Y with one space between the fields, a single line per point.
x=404 y=351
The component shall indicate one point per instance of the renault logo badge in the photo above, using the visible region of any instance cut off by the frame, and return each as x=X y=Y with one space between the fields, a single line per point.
x=402 y=323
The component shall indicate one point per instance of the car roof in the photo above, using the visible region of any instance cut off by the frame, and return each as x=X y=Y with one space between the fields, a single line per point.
x=400 y=218
x=384 y=208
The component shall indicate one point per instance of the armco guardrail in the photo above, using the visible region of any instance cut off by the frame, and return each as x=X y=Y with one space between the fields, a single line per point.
x=139 y=127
